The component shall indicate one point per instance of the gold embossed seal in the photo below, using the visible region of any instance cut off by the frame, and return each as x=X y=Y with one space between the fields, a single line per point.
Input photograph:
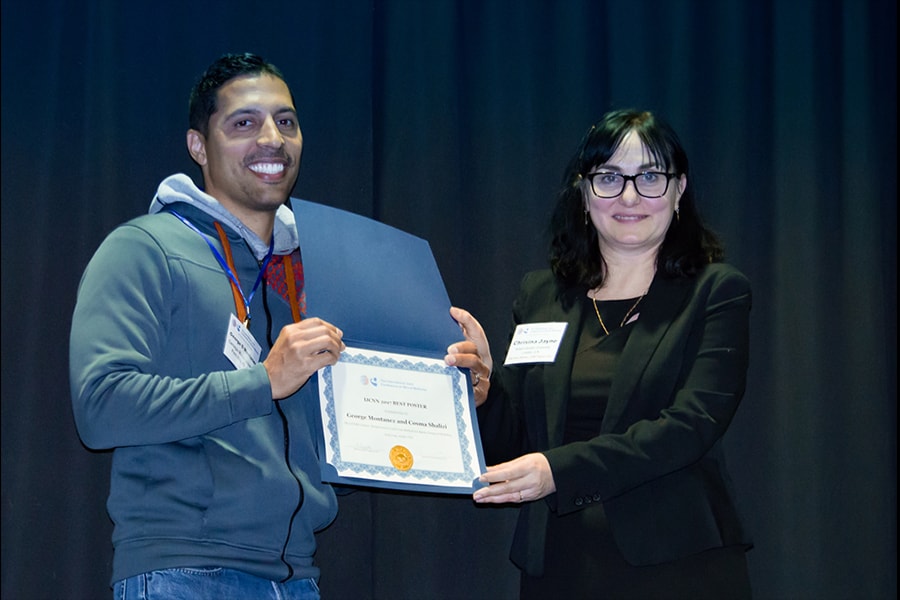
x=401 y=458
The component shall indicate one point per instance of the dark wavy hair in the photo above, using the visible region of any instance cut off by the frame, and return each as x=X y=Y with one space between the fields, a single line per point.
x=575 y=257
x=204 y=95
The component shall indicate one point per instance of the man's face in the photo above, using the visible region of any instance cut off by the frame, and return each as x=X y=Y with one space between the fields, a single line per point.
x=251 y=156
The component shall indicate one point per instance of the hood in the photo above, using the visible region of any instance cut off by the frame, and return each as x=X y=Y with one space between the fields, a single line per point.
x=181 y=188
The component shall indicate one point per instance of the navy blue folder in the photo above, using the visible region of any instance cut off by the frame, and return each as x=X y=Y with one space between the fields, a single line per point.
x=381 y=286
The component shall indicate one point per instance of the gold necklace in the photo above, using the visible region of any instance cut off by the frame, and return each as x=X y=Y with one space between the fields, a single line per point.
x=625 y=318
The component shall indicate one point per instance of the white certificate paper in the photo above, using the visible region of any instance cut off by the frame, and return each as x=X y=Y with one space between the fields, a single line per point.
x=399 y=421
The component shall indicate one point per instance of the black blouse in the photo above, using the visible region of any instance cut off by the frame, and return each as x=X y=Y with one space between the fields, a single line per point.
x=595 y=363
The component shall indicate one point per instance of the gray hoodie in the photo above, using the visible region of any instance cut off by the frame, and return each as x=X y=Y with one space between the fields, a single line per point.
x=207 y=470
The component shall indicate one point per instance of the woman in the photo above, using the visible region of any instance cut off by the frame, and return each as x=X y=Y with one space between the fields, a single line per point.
x=614 y=448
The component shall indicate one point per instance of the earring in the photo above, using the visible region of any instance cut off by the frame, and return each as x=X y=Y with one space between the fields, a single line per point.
x=677 y=215
x=585 y=216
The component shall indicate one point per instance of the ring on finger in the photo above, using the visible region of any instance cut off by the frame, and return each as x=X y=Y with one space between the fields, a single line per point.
x=476 y=379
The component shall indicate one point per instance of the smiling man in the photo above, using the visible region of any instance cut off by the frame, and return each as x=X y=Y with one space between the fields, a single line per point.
x=191 y=358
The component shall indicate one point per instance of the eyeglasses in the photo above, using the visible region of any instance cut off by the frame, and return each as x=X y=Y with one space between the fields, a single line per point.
x=649 y=184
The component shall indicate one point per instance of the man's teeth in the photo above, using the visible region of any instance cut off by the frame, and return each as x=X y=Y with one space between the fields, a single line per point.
x=267 y=168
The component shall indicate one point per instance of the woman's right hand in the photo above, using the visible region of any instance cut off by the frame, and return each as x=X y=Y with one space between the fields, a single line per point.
x=473 y=353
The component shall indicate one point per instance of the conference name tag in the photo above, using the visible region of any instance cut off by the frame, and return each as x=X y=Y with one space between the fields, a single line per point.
x=535 y=343
x=241 y=348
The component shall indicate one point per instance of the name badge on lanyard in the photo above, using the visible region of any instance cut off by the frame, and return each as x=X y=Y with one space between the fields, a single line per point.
x=241 y=348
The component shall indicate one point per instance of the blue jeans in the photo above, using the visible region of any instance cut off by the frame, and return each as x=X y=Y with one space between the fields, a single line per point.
x=192 y=583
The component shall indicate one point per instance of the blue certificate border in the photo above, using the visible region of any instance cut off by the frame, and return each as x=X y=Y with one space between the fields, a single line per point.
x=467 y=479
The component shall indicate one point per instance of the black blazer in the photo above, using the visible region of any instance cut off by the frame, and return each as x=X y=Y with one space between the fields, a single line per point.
x=657 y=465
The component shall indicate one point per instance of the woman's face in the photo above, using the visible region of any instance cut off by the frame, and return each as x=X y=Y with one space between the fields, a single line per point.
x=630 y=223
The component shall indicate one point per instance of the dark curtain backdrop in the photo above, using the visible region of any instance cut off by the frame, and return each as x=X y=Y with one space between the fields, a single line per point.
x=453 y=120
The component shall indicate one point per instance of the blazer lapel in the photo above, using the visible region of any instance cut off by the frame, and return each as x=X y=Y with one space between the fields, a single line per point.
x=557 y=375
x=664 y=300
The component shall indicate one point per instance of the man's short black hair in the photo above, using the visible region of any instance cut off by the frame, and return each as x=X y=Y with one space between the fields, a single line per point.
x=228 y=66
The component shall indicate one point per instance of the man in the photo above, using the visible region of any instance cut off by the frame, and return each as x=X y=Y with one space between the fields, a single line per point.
x=191 y=359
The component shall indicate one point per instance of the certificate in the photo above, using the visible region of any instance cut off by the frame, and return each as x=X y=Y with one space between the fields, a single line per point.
x=399 y=421
x=393 y=413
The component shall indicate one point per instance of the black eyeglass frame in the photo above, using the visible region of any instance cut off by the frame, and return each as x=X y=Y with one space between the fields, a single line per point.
x=633 y=180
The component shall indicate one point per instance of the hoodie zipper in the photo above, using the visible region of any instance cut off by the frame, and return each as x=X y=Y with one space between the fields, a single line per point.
x=287 y=439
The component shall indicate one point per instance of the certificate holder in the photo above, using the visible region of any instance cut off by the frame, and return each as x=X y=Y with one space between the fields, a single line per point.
x=399 y=421
x=393 y=414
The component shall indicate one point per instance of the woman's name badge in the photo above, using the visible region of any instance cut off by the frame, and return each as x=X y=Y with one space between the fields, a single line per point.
x=241 y=348
x=535 y=343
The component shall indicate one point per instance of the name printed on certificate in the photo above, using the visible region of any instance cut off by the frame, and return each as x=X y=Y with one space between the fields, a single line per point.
x=399 y=421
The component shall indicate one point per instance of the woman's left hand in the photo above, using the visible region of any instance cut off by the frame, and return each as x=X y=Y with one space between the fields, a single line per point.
x=523 y=479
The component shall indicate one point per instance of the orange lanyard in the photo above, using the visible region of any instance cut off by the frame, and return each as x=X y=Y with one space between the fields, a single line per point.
x=239 y=305
x=239 y=302
x=291 y=286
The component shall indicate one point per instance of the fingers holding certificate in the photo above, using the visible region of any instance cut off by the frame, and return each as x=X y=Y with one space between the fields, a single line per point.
x=399 y=421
